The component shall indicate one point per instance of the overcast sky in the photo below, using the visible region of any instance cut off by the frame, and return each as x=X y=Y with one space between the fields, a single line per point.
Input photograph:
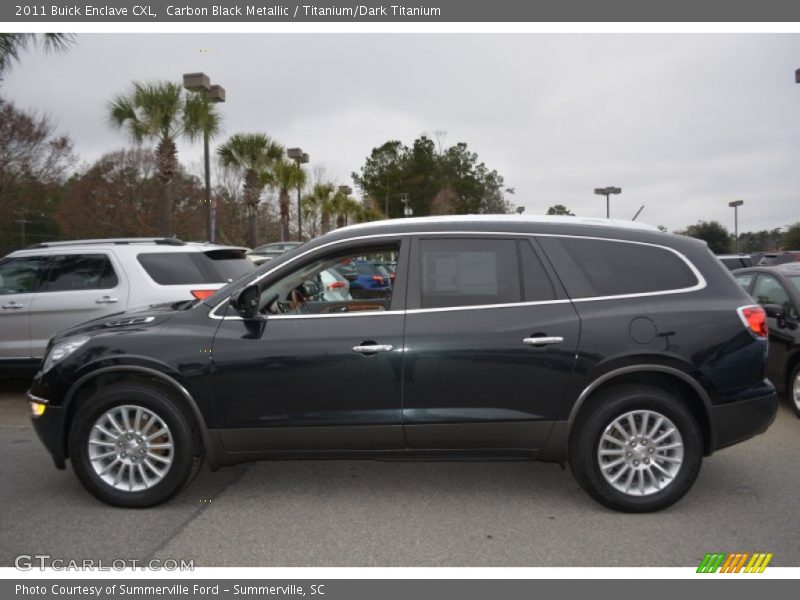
x=682 y=123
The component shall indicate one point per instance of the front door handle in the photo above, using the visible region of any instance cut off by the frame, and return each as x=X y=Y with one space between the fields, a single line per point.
x=543 y=340
x=372 y=348
x=106 y=300
x=13 y=304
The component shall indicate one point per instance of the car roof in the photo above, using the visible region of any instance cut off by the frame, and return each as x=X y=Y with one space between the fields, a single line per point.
x=508 y=219
x=146 y=244
x=784 y=269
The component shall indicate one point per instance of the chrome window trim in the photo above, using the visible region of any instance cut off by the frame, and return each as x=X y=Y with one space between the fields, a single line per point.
x=701 y=282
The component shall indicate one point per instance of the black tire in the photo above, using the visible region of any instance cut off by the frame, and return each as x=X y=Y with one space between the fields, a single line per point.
x=600 y=413
x=794 y=401
x=187 y=454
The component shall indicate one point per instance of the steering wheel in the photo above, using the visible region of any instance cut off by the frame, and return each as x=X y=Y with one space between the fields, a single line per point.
x=297 y=301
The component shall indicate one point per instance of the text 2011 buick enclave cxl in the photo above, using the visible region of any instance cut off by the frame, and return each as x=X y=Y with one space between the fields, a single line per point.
x=627 y=352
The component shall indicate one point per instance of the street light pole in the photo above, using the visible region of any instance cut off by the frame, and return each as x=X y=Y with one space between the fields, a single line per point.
x=735 y=206
x=200 y=83
x=300 y=157
x=607 y=191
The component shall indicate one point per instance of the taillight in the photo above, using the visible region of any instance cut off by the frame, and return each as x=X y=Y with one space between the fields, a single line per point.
x=336 y=285
x=755 y=319
x=202 y=294
x=377 y=278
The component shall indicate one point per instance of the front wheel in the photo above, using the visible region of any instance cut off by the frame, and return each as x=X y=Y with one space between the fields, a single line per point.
x=132 y=446
x=794 y=390
x=636 y=448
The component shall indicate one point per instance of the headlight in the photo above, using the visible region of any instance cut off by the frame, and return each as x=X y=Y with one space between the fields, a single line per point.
x=60 y=351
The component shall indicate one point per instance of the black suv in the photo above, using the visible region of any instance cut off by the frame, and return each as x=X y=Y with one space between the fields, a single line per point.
x=627 y=352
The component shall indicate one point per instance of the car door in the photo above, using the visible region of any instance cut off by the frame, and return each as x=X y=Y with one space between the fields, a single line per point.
x=314 y=372
x=77 y=287
x=19 y=280
x=490 y=344
x=768 y=289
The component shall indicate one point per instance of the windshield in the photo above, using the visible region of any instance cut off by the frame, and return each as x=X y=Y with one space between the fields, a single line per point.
x=250 y=275
x=795 y=279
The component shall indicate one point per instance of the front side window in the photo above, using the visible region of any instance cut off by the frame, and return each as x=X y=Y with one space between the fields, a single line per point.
x=744 y=280
x=76 y=272
x=768 y=290
x=20 y=275
x=468 y=272
x=344 y=282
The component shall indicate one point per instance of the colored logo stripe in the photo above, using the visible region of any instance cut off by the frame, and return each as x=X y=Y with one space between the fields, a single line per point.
x=734 y=562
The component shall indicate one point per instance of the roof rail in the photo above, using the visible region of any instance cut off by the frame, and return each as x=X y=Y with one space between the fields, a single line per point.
x=142 y=240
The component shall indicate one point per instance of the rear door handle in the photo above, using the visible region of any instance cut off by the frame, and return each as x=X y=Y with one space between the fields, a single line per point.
x=543 y=340
x=13 y=304
x=373 y=348
x=106 y=300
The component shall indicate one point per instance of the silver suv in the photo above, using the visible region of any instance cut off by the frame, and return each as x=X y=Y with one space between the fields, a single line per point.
x=52 y=286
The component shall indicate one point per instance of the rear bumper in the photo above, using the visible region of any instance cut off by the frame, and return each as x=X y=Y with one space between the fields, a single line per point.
x=737 y=421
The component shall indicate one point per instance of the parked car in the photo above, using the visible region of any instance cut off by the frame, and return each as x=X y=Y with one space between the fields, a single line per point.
x=735 y=261
x=267 y=252
x=777 y=258
x=777 y=289
x=333 y=286
x=627 y=352
x=52 y=286
x=371 y=281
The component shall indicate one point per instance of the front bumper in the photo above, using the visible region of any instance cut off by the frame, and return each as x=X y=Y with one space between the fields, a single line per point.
x=737 y=421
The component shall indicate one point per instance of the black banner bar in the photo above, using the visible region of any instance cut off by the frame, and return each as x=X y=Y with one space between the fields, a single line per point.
x=417 y=11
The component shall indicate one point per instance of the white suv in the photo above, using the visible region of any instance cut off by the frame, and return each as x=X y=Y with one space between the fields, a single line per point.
x=52 y=286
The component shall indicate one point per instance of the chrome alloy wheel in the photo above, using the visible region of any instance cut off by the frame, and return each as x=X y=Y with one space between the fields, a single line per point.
x=640 y=452
x=796 y=391
x=131 y=448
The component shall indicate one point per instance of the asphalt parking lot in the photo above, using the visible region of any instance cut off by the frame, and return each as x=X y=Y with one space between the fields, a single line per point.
x=366 y=513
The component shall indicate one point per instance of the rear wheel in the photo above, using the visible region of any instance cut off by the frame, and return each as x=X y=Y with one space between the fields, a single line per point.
x=132 y=446
x=636 y=448
x=794 y=390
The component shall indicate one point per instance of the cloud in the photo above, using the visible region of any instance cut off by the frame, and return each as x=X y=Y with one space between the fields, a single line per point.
x=683 y=123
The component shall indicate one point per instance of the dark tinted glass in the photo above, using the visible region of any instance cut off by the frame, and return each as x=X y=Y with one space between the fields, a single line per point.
x=768 y=290
x=80 y=272
x=744 y=280
x=20 y=275
x=607 y=268
x=172 y=268
x=366 y=268
x=228 y=264
x=468 y=272
x=535 y=280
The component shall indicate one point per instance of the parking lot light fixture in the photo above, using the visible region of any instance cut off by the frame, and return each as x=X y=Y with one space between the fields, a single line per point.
x=201 y=84
x=735 y=206
x=300 y=157
x=607 y=191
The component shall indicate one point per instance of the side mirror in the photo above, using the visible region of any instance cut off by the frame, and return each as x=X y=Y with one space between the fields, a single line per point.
x=246 y=300
x=774 y=311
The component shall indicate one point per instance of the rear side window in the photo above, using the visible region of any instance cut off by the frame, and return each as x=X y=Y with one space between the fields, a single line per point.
x=744 y=280
x=191 y=268
x=74 y=272
x=469 y=272
x=171 y=268
x=535 y=280
x=592 y=267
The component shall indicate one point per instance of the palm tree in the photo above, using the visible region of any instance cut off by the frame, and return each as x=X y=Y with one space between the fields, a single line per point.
x=251 y=155
x=322 y=200
x=12 y=44
x=285 y=175
x=159 y=112
x=345 y=208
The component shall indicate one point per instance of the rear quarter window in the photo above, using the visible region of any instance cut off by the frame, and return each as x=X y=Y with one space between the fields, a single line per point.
x=191 y=268
x=591 y=267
